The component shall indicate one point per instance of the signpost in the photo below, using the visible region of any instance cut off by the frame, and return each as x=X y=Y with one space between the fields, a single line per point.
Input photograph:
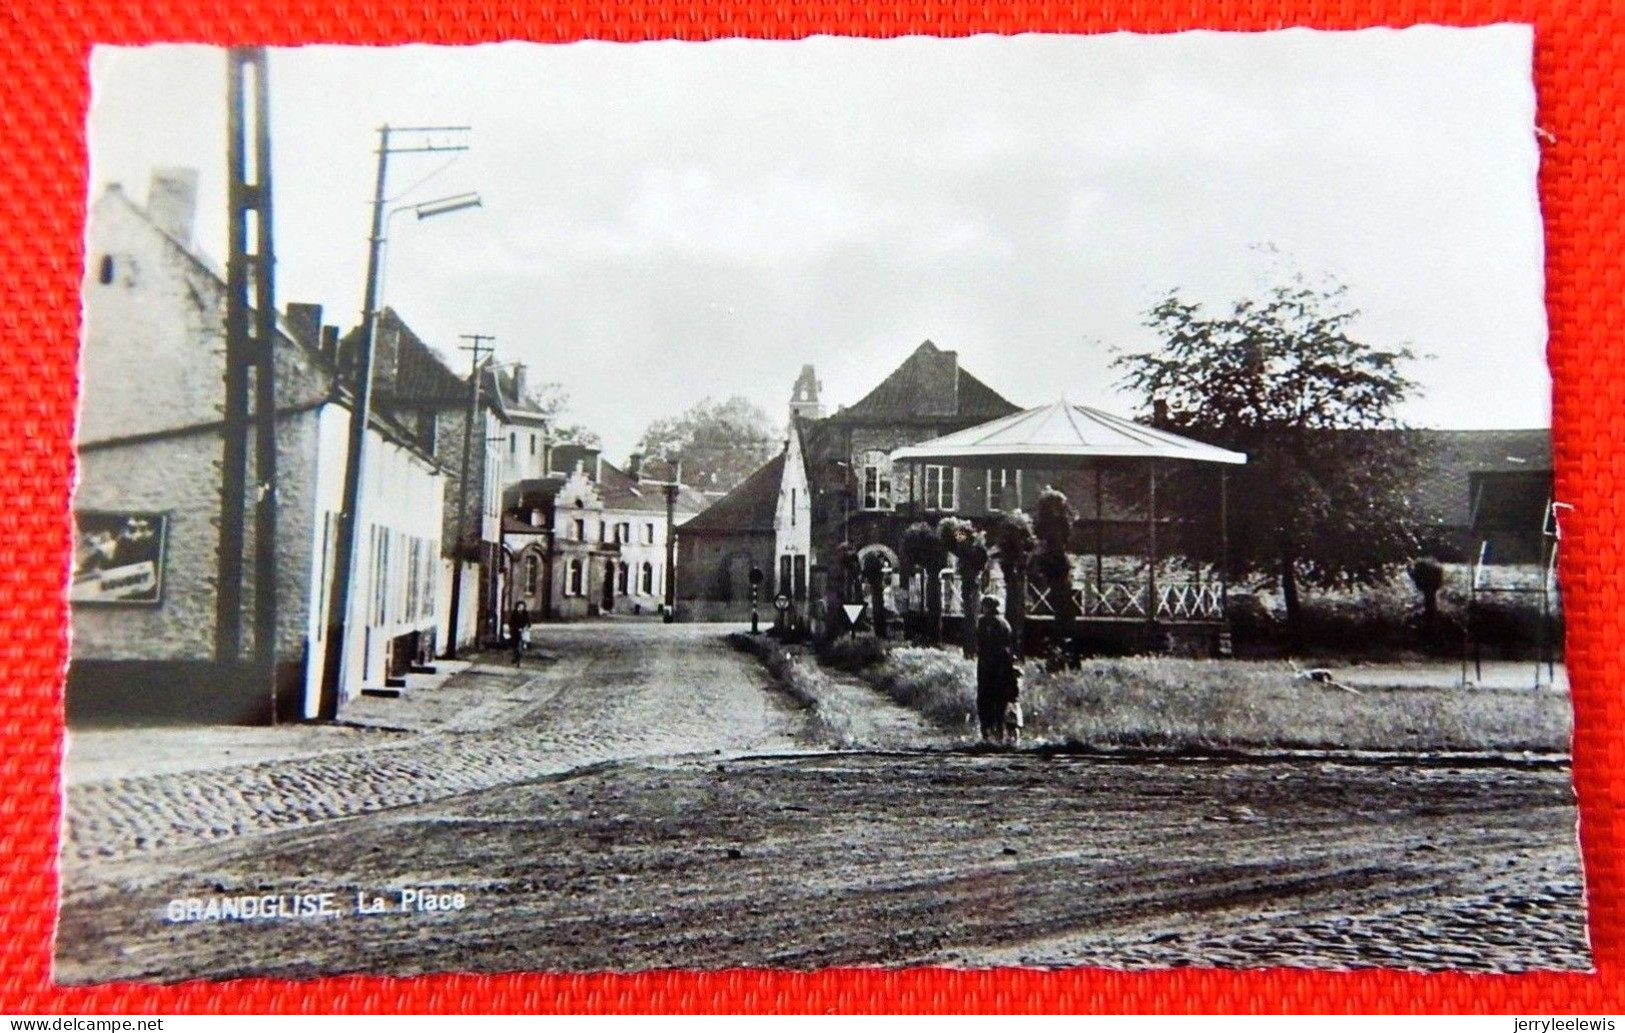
x=755 y=588
x=854 y=613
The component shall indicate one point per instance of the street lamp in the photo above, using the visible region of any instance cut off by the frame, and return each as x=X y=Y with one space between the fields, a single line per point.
x=672 y=489
x=423 y=210
x=443 y=205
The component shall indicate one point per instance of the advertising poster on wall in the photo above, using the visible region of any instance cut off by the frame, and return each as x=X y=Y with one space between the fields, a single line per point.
x=118 y=558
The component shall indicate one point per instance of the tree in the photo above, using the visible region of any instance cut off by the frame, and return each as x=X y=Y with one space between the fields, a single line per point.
x=968 y=547
x=875 y=569
x=553 y=401
x=1052 y=523
x=1013 y=538
x=1323 y=496
x=719 y=443
x=923 y=550
x=1427 y=574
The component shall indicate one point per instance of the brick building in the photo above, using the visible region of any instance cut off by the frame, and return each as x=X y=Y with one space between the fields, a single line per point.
x=148 y=503
x=834 y=482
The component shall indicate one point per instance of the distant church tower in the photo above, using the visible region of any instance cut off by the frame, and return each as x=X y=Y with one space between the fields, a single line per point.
x=804 y=396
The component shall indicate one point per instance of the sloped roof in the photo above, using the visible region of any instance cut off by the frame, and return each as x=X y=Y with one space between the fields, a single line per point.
x=906 y=394
x=336 y=387
x=1446 y=461
x=498 y=391
x=419 y=374
x=751 y=506
x=535 y=491
x=1061 y=434
x=622 y=492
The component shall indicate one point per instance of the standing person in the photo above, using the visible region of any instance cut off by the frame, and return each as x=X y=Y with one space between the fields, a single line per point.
x=996 y=685
x=519 y=628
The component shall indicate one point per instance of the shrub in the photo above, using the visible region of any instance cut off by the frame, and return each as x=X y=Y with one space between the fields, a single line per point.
x=853 y=653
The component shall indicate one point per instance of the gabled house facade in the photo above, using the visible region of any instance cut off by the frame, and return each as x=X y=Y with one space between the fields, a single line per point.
x=588 y=539
x=145 y=590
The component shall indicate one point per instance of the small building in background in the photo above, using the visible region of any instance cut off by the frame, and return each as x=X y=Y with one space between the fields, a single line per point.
x=588 y=538
x=1483 y=490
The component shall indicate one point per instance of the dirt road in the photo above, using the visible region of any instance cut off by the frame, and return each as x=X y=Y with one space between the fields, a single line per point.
x=646 y=849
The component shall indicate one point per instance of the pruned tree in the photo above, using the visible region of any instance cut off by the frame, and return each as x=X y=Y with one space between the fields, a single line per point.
x=1323 y=498
x=875 y=569
x=1013 y=542
x=968 y=547
x=1053 y=518
x=923 y=550
x=846 y=570
x=1427 y=574
x=718 y=443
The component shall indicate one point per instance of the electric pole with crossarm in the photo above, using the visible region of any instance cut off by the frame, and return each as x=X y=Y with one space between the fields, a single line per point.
x=478 y=355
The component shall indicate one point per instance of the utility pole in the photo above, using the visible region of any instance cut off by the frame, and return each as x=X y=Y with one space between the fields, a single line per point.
x=338 y=611
x=250 y=349
x=478 y=354
x=672 y=489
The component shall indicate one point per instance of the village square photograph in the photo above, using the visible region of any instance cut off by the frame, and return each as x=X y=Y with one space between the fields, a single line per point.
x=1038 y=501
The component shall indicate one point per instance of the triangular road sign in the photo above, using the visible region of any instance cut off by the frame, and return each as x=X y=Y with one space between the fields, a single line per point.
x=853 y=612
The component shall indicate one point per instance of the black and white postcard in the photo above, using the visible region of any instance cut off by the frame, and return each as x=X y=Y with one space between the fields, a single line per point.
x=1035 y=501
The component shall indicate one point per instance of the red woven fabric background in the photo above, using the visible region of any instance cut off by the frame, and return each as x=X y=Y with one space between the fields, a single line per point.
x=43 y=61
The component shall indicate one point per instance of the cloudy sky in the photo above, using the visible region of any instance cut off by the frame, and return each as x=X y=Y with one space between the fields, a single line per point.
x=666 y=221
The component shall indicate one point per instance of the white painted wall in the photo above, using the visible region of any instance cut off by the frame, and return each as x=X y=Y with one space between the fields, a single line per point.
x=397 y=586
x=792 y=520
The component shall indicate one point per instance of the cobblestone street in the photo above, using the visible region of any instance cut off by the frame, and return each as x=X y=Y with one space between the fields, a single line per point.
x=641 y=796
x=587 y=698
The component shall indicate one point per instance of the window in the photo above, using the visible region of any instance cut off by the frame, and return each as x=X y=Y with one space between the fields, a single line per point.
x=648 y=534
x=414 y=566
x=574 y=575
x=533 y=570
x=105 y=274
x=646 y=579
x=513 y=443
x=875 y=477
x=623 y=532
x=941 y=488
x=380 y=575
x=580 y=530
x=1004 y=489
x=622 y=576
x=792 y=507
x=533 y=444
x=329 y=544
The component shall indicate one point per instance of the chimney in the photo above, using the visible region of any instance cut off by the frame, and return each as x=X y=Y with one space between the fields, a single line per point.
x=634 y=466
x=172 y=202
x=519 y=383
x=330 y=344
x=305 y=324
x=386 y=352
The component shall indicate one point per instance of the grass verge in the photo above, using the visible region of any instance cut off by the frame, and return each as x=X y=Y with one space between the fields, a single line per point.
x=1175 y=704
x=829 y=719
